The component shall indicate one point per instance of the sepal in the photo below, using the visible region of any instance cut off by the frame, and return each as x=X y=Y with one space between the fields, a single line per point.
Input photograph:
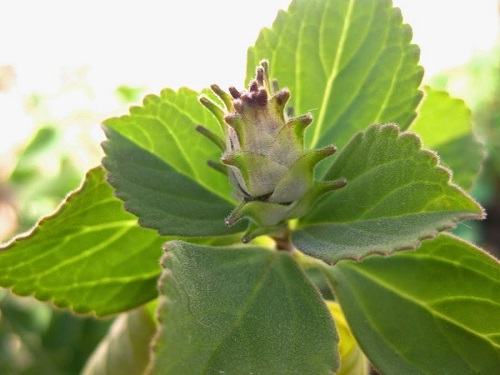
x=299 y=178
x=266 y=214
x=253 y=231
x=210 y=135
x=257 y=175
x=217 y=111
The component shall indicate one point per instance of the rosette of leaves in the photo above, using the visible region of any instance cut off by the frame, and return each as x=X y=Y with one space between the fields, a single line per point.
x=228 y=307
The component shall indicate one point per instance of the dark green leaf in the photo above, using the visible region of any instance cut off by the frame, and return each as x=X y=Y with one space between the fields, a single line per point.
x=90 y=256
x=430 y=311
x=157 y=164
x=349 y=62
x=240 y=310
x=396 y=195
x=444 y=124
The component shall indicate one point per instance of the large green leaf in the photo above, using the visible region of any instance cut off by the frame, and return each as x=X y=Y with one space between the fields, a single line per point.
x=396 y=195
x=90 y=256
x=349 y=62
x=157 y=164
x=125 y=350
x=240 y=310
x=444 y=124
x=431 y=311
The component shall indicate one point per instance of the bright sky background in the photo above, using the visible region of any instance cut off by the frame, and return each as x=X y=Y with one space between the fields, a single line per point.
x=192 y=42
x=165 y=43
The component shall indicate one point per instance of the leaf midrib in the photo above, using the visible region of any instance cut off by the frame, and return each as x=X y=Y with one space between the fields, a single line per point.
x=333 y=74
x=118 y=224
x=153 y=146
x=244 y=309
x=389 y=93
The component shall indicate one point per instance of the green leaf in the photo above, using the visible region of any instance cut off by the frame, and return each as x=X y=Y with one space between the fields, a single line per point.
x=349 y=62
x=444 y=124
x=157 y=164
x=125 y=350
x=240 y=310
x=429 y=311
x=90 y=256
x=396 y=195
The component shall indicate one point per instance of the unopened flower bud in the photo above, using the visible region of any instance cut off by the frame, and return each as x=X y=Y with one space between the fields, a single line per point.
x=263 y=151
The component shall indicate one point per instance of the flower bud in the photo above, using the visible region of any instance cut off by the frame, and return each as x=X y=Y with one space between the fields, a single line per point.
x=263 y=151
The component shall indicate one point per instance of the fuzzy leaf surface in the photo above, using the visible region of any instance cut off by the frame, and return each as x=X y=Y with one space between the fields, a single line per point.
x=90 y=256
x=125 y=349
x=396 y=195
x=348 y=62
x=432 y=310
x=156 y=161
x=444 y=124
x=240 y=310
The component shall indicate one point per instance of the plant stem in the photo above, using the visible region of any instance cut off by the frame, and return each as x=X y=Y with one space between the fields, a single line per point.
x=282 y=241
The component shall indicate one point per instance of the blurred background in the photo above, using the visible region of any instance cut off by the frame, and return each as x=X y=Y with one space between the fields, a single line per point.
x=65 y=66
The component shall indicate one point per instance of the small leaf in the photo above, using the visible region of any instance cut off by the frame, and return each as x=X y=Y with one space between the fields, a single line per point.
x=429 y=311
x=90 y=256
x=396 y=195
x=157 y=163
x=240 y=310
x=361 y=67
x=444 y=124
x=125 y=350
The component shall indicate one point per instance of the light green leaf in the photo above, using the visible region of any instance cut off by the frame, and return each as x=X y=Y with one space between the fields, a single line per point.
x=157 y=164
x=90 y=256
x=348 y=62
x=444 y=124
x=125 y=350
x=431 y=311
x=396 y=195
x=240 y=310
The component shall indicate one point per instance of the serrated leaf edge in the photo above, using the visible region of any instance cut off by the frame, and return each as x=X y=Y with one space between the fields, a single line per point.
x=443 y=169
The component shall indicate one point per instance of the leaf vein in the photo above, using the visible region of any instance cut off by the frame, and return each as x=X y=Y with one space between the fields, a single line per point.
x=425 y=306
x=333 y=74
x=246 y=305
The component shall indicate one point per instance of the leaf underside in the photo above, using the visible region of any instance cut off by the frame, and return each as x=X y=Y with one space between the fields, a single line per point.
x=156 y=161
x=433 y=308
x=89 y=256
x=349 y=63
x=238 y=310
x=396 y=195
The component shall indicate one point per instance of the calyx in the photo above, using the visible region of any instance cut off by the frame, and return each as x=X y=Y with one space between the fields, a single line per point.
x=264 y=156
